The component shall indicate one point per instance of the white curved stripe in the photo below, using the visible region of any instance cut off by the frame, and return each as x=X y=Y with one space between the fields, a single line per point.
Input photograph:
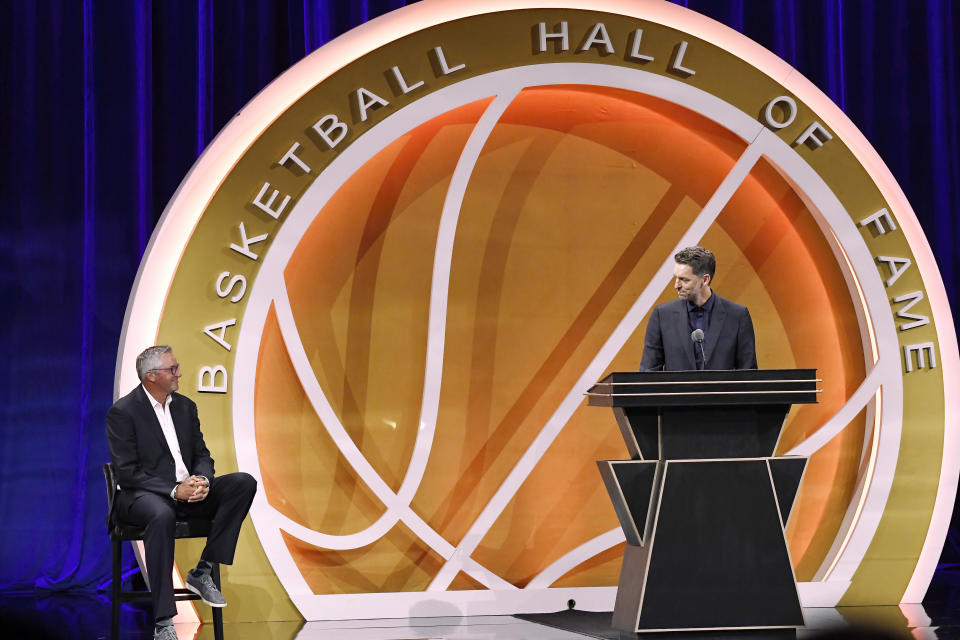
x=335 y=541
x=318 y=399
x=831 y=215
x=854 y=405
x=868 y=466
x=486 y=577
x=439 y=292
x=396 y=509
x=398 y=504
x=331 y=422
x=601 y=361
x=576 y=557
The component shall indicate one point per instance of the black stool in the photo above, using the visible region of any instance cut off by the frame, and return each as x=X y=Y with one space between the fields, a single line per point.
x=120 y=531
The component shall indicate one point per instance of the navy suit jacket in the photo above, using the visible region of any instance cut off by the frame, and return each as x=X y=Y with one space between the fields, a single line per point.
x=141 y=457
x=728 y=344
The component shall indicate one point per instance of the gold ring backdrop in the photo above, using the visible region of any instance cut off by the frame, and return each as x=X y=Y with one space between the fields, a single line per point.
x=570 y=203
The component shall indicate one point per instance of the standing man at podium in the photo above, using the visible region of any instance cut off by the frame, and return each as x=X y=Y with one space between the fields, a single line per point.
x=698 y=330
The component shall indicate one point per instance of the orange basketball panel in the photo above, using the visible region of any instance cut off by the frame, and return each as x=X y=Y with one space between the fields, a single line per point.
x=304 y=475
x=398 y=561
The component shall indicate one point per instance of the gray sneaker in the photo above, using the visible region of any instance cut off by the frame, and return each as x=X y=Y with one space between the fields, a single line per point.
x=164 y=633
x=202 y=585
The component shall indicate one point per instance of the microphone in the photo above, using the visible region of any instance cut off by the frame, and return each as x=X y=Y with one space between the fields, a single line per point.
x=697 y=337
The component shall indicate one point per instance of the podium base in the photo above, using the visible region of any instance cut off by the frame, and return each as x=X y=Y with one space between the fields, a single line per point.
x=715 y=556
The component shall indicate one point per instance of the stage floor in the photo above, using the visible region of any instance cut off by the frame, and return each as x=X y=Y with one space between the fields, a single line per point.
x=66 y=616
x=63 y=617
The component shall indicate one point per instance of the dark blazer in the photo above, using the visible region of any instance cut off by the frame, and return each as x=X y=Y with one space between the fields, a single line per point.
x=729 y=342
x=140 y=454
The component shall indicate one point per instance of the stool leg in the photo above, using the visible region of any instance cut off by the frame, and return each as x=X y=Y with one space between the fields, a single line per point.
x=115 y=589
x=217 y=612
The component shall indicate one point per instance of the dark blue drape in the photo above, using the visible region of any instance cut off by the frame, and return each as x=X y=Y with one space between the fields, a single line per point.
x=108 y=104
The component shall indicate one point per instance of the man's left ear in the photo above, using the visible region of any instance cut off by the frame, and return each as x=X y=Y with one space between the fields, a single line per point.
x=707 y=279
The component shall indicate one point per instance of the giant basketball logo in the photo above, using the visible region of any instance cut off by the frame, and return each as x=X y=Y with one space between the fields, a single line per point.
x=396 y=272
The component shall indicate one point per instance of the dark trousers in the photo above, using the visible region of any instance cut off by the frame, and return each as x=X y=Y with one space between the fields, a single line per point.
x=226 y=505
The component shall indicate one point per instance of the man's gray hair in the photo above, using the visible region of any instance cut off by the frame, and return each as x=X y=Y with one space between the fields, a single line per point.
x=150 y=359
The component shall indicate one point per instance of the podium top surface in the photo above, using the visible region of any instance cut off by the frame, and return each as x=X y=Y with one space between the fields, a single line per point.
x=672 y=388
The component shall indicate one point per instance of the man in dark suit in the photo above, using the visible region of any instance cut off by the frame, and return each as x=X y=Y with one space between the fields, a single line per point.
x=724 y=328
x=164 y=470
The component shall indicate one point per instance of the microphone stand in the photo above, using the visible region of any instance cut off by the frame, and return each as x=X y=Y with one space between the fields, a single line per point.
x=697 y=337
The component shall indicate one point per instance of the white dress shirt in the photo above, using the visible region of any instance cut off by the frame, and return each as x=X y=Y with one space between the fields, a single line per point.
x=170 y=433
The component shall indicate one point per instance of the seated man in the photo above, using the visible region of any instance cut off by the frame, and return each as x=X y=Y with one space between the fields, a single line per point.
x=698 y=330
x=164 y=471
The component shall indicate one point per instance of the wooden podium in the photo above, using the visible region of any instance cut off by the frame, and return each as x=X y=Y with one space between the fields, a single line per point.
x=702 y=501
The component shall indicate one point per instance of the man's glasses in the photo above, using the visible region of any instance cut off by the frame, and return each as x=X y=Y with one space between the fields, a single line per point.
x=174 y=370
